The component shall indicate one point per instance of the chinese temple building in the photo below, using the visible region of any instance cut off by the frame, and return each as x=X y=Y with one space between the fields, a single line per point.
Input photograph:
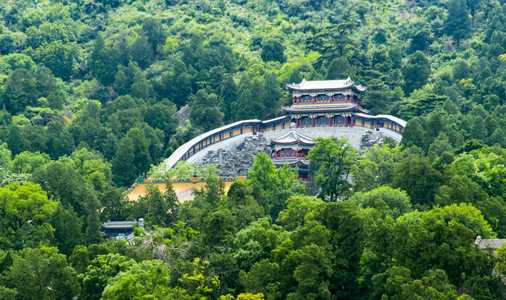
x=292 y=148
x=325 y=103
x=119 y=230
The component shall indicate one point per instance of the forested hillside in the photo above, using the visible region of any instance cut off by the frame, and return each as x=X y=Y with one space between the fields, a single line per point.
x=88 y=89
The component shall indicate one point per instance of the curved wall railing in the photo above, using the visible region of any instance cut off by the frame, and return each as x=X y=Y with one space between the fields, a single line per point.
x=254 y=126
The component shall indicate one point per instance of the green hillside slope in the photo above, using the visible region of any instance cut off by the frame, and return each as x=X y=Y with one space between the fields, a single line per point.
x=88 y=89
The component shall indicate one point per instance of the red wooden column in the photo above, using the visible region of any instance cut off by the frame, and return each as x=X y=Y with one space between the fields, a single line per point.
x=314 y=122
x=331 y=121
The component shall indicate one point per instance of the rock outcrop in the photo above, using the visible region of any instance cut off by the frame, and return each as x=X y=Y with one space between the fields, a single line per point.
x=238 y=160
x=183 y=114
x=370 y=138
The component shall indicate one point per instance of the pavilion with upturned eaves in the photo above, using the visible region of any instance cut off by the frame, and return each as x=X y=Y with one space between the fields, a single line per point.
x=325 y=103
x=292 y=148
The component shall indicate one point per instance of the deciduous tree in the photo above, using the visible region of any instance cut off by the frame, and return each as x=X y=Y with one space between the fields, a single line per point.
x=337 y=159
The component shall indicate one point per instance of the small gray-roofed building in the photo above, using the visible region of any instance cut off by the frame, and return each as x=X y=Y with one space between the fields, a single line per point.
x=489 y=243
x=114 y=230
x=293 y=137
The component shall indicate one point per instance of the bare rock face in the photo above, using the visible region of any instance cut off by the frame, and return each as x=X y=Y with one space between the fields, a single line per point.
x=183 y=114
x=370 y=138
x=238 y=160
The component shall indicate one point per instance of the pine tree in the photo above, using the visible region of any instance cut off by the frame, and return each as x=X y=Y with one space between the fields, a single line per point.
x=497 y=138
x=141 y=51
x=273 y=50
x=122 y=164
x=93 y=234
x=413 y=134
x=15 y=140
x=98 y=62
x=473 y=4
x=67 y=226
x=172 y=202
x=142 y=158
x=243 y=107
x=377 y=97
x=155 y=33
x=227 y=96
x=457 y=23
x=416 y=72
x=339 y=68
x=295 y=77
x=479 y=131
x=205 y=112
x=272 y=95
x=123 y=48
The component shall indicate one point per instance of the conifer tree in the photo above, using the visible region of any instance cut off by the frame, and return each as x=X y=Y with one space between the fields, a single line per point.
x=155 y=33
x=243 y=107
x=122 y=164
x=339 y=68
x=416 y=72
x=141 y=51
x=457 y=23
x=227 y=96
x=272 y=95
x=205 y=111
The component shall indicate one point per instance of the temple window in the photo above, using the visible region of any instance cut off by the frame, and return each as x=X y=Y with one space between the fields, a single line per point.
x=306 y=98
x=338 y=120
x=306 y=122
x=322 y=98
x=322 y=121
x=339 y=97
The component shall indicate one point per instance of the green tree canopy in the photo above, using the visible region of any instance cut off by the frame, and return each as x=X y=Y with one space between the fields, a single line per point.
x=26 y=213
x=337 y=159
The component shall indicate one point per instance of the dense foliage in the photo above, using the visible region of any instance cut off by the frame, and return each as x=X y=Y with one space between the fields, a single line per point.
x=88 y=92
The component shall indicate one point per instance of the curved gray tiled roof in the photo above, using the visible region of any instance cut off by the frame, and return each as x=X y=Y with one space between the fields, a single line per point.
x=324 y=85
x=118 y=224
x=293 y=137
x=492 y=243
x=281 y=161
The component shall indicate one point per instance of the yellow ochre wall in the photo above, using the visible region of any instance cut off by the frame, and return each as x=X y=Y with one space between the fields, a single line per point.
x=141 y=188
